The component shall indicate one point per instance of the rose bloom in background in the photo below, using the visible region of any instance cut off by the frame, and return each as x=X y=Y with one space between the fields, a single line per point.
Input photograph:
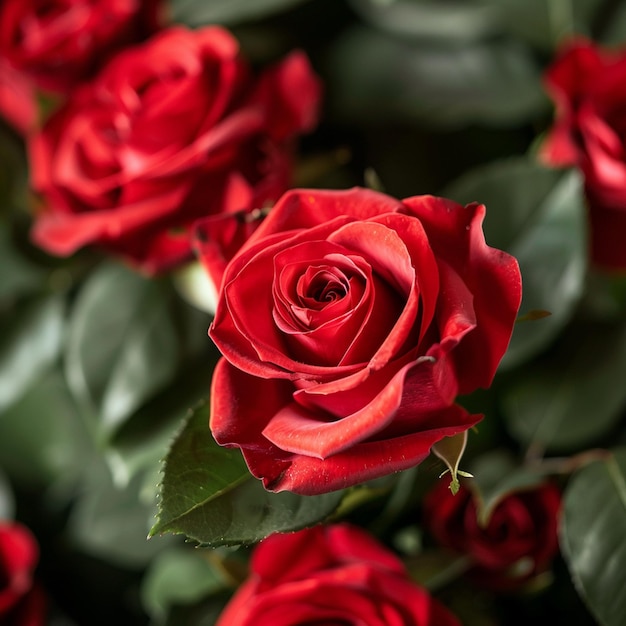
x=518 y=541
x=330 y=575
x=18 y=103
x=59 y=43
x=170 y=131
x=22 y=603
x=588 y=87
x=349 y=323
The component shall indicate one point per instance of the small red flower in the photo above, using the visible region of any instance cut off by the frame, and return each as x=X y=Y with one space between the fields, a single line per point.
x=330 y=575
x=518 y=542
x=22 y=603
x=588 y=86
x=57 y=44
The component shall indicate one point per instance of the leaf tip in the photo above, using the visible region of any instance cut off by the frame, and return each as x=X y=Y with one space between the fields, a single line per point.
x=533 y=315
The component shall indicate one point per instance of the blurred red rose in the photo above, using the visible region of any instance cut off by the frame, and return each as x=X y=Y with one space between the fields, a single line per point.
x=349 y=323
x=18 y=104
x=330 y=575
x=518 y=542
x=22 y=603
x=588 y=86
x=169 y=131
x=58 y=43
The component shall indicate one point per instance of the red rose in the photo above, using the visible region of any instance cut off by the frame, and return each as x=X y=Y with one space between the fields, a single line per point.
x=21 y=602
x=58 y=43
x=18 y=104
x=330 y=575
x=589 y=89
x=518 y=542
x=169 y=131
x=349 y=322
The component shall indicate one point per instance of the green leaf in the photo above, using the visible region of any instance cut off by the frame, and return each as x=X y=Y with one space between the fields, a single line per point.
x=122 y=345
x=142 y=442
x=7 y=501
x=435 y=568
x=537 y=215
x=18 y=275
x=496 y=476
x=400 y=498
x=375 y=76
x=605 y=295
x=546 y=24
x=458 y=21
x=43 y=439
x=575 y=395
x=208 y=494
x=197 y=471
x=612 y=24
x=14 y=171
x=199 y=12
x=205 y=613
x=179 y=576
x=112 y=523
x=540 y=23
x=593 y=536
x=30 y=343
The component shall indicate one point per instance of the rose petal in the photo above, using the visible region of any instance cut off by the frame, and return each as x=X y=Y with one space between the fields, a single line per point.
x=18 y=557
x=218 y=237
x=297 y=430
x=265 y=399
x=302 y=209
x=290 y=93
x=486 y=271
x=243 y=327
x=608 y=242
x=311 y=476
x=324 y=335
x=397 y=259
x=18 y=104
x=63 y=234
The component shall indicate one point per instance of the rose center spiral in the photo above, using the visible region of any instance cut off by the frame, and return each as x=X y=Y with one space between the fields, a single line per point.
x=323 y=287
